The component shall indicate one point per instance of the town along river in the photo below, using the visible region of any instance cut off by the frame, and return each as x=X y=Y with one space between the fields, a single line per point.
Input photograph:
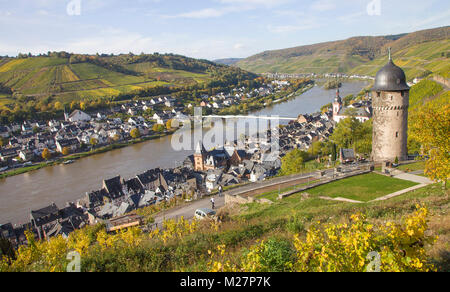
x=67 y=183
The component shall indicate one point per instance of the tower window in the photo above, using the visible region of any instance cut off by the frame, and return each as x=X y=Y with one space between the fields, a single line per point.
x=403 y=94
x=396 y=135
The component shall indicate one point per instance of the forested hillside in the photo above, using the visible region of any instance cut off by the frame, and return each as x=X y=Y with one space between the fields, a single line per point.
x=419 y=53
x=48 y=82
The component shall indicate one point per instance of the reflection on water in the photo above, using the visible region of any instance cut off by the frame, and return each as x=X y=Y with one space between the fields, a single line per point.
x=60 y=184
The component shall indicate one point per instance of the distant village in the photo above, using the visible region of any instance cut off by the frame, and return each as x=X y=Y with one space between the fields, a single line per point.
x=201 y=174
x=78 y=131
x=315 y=76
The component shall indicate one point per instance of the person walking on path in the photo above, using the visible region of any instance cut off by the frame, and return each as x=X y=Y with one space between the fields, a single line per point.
x=212 y=203
x=220 y=191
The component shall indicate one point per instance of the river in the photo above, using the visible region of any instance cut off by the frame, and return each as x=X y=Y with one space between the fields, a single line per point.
x=64 y=183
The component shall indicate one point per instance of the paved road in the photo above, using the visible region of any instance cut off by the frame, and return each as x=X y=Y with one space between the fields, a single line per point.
x=187 y=211
x=414 y=178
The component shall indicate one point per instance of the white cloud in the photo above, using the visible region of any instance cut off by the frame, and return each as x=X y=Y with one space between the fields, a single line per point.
x=352 y=17
x=203 y=13
x=323 y=5
x=231 y=7
x=266 y=3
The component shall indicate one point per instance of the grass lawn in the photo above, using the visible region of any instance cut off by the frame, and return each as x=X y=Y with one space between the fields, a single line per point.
x=273 y=195
x=412 y=167
x=362 y=188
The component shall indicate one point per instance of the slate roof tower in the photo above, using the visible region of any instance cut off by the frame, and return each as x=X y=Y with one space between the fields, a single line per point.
x=390 y=114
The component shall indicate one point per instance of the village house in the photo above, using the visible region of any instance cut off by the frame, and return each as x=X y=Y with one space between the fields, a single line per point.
x=71 y=143
x=78 y=116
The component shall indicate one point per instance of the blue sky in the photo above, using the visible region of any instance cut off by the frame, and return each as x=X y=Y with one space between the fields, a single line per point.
x=207 y=29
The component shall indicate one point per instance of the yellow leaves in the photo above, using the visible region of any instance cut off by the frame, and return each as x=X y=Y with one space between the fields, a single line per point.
x=345 y=247
x=80 y=241
x=102 y=239
x=430 y=126
x=132 y=236
x=215 y=225
x=173 y=229
x=220 y=266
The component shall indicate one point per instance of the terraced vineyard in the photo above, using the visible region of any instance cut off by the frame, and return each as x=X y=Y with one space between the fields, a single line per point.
x=414 y=60
x=79 y=77
x=418 y=53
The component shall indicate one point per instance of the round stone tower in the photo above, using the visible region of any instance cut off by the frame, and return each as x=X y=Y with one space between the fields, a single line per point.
x=390 y=102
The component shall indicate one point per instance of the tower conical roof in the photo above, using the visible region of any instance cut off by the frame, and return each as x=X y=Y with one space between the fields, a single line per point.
x=390 y=78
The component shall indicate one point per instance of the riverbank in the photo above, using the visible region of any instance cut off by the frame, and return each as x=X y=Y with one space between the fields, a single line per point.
x=77 y=156
x=288 y=96
x=20 y=194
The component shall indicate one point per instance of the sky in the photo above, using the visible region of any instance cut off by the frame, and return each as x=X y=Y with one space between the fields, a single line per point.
x=207 y=29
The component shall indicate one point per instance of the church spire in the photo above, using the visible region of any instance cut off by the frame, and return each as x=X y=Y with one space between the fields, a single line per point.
x=338 y=96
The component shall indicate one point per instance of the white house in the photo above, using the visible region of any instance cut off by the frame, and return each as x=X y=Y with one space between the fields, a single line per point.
x=79 y=116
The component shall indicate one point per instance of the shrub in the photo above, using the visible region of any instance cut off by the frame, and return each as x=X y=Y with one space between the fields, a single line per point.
x=295 y=225
x=275 y=255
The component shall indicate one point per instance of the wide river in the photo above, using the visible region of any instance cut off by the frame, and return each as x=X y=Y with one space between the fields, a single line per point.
x=65 y=183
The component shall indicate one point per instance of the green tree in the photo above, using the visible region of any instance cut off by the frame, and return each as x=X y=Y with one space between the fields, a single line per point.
x=158 y=128
x=333 y=153
x=7 y=250
x=350 y=133
x=430 y=126
x=293 y=162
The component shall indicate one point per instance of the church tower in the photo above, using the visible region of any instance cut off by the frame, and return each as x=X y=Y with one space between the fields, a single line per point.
x=390 y=96
x=337 y=104
x=199 y=157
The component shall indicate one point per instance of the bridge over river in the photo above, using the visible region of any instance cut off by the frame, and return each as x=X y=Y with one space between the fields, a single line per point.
x=67 y=183
x=252 y=117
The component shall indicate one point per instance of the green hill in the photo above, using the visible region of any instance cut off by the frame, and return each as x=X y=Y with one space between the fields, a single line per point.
x=65 y=77
x=418 y=53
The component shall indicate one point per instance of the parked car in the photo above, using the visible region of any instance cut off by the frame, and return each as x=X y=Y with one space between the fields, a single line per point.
x=204 y=213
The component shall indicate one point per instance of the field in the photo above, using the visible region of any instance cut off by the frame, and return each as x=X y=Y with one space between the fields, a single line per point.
x=362 y=188
x=44 y=76
x=413 y=60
